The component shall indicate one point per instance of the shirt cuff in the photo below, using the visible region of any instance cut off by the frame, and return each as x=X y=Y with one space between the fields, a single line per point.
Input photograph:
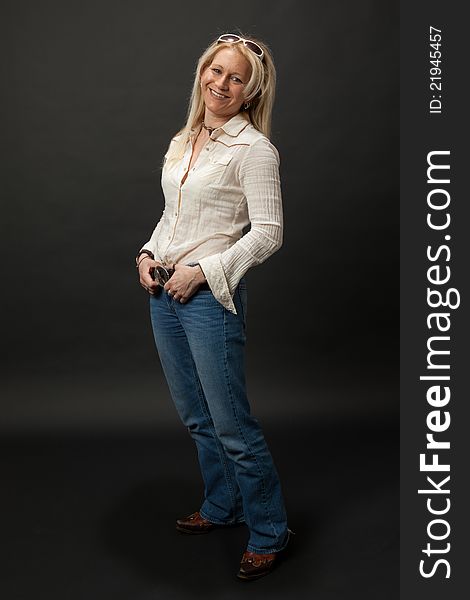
x=214 y=273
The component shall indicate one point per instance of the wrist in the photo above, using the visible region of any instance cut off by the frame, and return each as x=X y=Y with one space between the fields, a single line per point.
x=142 y=255
x=143 y=258
x=200 y=273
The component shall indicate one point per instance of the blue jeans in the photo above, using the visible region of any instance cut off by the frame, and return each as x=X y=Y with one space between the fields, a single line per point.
x=201 y=346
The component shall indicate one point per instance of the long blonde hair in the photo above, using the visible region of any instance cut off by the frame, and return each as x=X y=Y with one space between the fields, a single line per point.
x=259 y=92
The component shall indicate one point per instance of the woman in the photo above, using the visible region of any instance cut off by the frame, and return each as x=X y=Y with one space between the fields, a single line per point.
x=220 y=174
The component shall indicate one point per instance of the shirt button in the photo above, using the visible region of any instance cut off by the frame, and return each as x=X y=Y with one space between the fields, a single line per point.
x=207 y=147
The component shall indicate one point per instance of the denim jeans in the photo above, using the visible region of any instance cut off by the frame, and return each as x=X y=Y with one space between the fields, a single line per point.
x=201 y=346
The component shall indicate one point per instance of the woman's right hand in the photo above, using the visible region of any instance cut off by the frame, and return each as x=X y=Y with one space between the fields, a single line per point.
x=146 y=281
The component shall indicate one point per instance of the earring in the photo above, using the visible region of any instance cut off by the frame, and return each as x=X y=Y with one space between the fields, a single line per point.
x=246 y=105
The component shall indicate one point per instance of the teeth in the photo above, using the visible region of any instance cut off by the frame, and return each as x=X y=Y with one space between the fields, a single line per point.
x=216 y=94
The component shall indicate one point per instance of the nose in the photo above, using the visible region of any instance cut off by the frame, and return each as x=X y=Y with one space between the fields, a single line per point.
x=222 y=81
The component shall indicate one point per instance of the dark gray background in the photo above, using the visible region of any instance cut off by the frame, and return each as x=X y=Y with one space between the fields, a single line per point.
x=95 y=465
x=92 y=94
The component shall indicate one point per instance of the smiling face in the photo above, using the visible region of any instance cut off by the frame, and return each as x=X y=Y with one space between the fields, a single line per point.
x=223 y=83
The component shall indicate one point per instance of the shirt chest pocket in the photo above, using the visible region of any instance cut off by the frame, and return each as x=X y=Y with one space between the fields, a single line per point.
x=215 y=168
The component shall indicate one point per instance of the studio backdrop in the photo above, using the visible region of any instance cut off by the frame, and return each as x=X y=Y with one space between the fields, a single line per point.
x=92 y=94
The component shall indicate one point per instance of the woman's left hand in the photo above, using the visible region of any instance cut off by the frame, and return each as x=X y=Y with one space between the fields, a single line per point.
x=184 y=282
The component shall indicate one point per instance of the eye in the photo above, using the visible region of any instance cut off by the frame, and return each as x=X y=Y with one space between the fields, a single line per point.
x=234 y=77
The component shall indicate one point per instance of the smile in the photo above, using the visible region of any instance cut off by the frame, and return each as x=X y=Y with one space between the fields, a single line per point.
x=216 y=95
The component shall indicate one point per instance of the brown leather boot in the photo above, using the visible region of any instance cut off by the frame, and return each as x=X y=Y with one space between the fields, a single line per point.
x=255 y=565
x=195 y=524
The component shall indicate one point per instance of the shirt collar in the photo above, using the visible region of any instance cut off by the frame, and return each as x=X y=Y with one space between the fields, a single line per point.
x=233 y=126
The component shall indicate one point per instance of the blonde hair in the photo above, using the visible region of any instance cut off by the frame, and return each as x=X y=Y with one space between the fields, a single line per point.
x=259 y=92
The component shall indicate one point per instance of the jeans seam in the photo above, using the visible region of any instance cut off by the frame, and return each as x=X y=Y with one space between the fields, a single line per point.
x=220 y=452
x=253 y=455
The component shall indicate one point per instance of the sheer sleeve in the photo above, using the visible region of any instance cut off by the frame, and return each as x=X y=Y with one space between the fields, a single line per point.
x=260 y=181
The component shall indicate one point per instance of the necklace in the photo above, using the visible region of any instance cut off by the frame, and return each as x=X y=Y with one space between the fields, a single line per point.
x=209 y=129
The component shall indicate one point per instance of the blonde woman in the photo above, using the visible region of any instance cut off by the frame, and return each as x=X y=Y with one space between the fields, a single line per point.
x=220 y=175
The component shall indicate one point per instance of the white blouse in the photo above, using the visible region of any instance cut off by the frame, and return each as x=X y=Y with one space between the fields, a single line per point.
x=233 y=183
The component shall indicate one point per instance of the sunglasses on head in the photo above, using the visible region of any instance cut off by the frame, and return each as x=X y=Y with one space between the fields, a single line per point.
x=233 y=38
